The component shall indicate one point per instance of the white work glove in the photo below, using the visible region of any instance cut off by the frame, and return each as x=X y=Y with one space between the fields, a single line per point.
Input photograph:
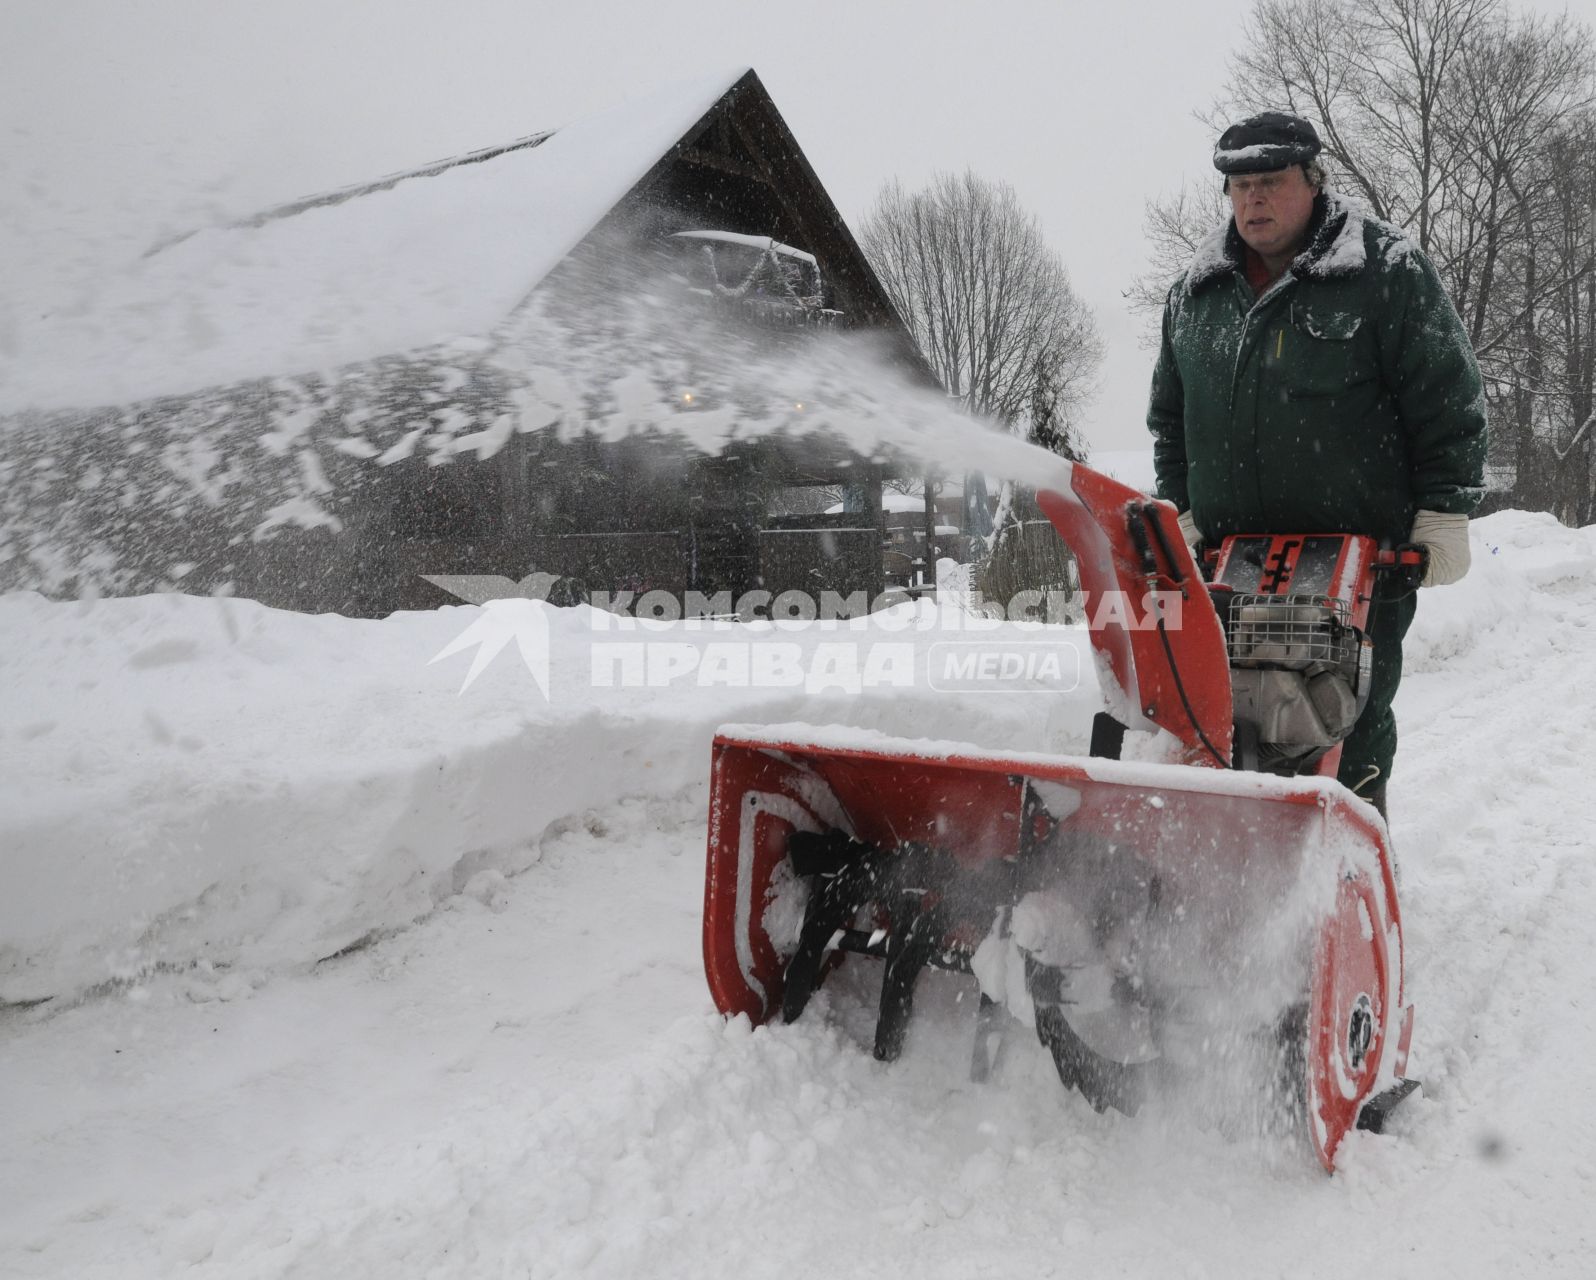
x=1188 y=530
x=1446 y=538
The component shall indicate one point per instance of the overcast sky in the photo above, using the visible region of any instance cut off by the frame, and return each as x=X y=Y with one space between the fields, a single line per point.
x=127 y=119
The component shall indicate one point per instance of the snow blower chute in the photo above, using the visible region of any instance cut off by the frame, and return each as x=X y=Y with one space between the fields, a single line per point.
x=1137 y=914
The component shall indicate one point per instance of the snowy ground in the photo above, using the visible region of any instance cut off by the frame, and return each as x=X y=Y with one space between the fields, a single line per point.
x=517 y=1070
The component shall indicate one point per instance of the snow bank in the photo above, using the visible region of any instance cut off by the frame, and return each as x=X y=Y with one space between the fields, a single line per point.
x=208 y=781
x=1517 y=558
x=211 y=781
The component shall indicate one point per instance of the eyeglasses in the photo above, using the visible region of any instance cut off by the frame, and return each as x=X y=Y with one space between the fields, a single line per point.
x=1261 y=183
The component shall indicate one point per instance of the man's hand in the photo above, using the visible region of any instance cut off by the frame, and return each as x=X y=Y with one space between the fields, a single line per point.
x=1446 y=538
x=1188 y=530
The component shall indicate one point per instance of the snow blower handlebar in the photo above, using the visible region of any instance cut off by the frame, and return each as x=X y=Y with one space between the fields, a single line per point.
x=1406 y=566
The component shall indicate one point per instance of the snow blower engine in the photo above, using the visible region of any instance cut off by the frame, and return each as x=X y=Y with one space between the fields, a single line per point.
x=1156 y=923
x=1299 y=666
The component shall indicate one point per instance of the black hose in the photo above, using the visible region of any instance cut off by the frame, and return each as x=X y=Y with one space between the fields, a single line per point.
x=1180 y=688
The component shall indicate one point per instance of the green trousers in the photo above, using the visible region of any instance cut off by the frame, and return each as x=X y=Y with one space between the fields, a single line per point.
x=1372 y=744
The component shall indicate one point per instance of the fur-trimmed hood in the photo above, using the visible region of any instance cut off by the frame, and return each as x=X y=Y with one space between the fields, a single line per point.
x=1336 y=245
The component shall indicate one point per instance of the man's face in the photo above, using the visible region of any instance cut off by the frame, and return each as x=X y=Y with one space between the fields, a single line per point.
x=1272 y=209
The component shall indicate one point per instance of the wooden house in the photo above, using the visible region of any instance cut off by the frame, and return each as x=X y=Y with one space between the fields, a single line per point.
x=325 y=404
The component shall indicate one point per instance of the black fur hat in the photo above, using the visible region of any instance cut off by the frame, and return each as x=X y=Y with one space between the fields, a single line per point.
x=1258 y=144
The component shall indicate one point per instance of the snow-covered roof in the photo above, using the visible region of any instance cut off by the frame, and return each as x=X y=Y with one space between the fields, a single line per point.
x=438 y=254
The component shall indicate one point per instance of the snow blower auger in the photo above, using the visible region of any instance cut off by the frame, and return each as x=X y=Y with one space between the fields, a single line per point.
x=1156 y=923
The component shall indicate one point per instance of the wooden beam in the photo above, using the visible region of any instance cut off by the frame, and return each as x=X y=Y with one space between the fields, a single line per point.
x=726 y=164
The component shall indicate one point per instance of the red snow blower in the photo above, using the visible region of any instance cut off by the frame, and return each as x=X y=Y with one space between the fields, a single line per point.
x=1154 y=922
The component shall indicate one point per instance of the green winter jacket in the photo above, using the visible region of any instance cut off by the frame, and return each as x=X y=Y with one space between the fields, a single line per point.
x=1342 y=400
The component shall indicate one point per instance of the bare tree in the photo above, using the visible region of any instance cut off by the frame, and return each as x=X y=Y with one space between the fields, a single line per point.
x=993 y=312
x=1515 y=237
x=989 y=303
x=1175 y=226
x=1408 y=55
x=1547 y=364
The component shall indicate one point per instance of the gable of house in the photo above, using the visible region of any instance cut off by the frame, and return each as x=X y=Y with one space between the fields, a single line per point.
x=279 y=388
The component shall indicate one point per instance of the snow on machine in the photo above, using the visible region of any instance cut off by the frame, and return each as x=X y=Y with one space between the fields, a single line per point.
x=1158 y=924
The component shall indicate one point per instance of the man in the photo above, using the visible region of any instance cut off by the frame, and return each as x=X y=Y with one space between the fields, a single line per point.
x=1315 y=378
